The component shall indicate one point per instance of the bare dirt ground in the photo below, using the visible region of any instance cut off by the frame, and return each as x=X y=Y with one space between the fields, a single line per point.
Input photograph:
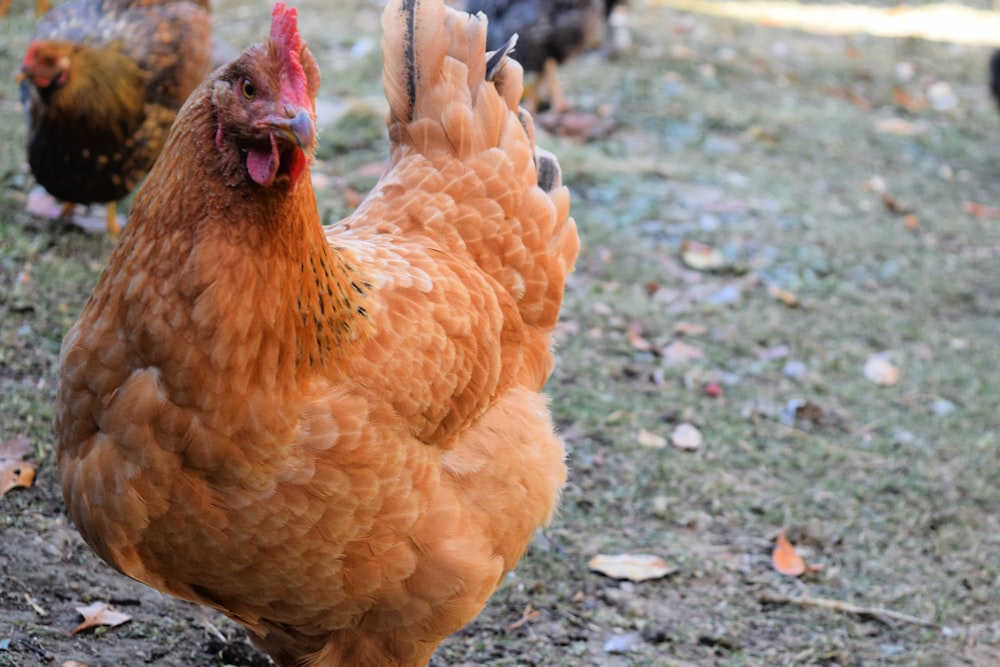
x=845 y=189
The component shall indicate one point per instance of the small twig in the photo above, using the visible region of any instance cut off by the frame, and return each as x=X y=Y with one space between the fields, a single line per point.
x=882 y=615
x=527 y=615
x=125 y=602
x=34 y=605
x=34 y=648
x=212 y=630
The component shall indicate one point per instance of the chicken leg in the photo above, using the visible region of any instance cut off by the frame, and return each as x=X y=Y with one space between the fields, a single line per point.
x=113 y=227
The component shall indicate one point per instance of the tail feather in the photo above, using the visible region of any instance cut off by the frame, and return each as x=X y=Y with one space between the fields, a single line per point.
x=456 y=108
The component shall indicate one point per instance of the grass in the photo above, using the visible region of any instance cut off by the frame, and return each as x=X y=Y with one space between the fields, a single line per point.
x=775 y=156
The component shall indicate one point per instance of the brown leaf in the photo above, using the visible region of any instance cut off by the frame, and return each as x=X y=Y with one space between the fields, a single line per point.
x=701 y=257
x=893 y=206
x=679 y=351
x=651 y=440
x=785 y=559
x=784 y=296
x=810 y=412
x=14 y=470
x=881 y=371
x=907 y=103
x=634 y=567
x=635 y=339
x=100 y=613
x=981 y=211
x=899 y=126
x=683 y=328
x=851 y=96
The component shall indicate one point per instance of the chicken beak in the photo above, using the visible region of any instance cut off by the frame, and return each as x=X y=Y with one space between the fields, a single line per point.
x=299 y=129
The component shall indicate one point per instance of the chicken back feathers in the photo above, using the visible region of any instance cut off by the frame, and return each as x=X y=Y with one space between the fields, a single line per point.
x=335 y=436
x=102 y=81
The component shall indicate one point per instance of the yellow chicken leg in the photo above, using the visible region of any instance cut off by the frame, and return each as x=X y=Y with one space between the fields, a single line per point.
x=529 y=96
x=113 y=228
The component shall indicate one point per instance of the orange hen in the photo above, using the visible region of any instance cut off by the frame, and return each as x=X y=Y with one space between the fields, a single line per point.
x=334 y=436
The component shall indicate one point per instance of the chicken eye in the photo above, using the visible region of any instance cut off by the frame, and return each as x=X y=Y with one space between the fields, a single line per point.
x=249 y=90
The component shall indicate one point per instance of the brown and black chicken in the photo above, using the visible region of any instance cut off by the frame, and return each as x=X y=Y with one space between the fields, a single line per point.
x=549 y=32
x=102 y=81
x=41 y=6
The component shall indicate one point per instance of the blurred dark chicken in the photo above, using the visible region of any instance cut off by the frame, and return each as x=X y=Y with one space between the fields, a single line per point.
x=41 y=6
x=102 y=81
x=549 y=32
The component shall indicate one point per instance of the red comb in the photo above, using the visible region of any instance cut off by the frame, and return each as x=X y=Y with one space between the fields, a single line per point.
x=285 y=32
x=285 y=27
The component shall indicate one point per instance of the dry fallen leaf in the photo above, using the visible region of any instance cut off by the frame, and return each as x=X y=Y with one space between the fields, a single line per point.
x=893 y=206
x=651 y=440
x=784 y=296
x=683 y=328
x=686 y=436
x=899 y=126
x=851 y=96
x=881 y=371
x=617 y=416
x=14 y=470
x=906 y=102
x=635 y=339
x=701 y=257
x=679 y=351
x=981 y=211
x=100 y=613
x=634 y=567
x=787 y=561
